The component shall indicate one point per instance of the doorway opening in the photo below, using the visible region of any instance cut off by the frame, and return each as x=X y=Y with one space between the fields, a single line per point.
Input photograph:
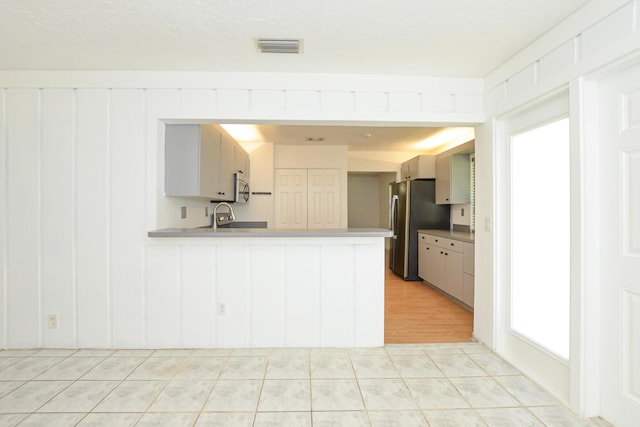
x=414 y=311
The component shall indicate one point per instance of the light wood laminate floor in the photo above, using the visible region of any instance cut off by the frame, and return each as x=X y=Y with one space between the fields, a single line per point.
x=417 y=313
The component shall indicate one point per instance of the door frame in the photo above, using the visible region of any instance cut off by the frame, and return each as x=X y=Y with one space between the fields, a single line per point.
x=587 y=394
x=523 y=353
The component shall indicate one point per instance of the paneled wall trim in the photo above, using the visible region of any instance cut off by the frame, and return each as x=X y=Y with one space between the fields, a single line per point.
x=603 y=41
x=82 y=168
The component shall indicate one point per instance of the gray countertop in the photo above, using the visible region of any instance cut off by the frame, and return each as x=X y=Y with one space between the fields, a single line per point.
x=269 y=232
x=455 y=235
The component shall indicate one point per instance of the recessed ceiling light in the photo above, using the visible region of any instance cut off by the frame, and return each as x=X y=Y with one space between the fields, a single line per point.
x=313 y=138
x=279 y=45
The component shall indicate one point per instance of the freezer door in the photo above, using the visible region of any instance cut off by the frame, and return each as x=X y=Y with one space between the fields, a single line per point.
x=399 y=243
x=393 y=214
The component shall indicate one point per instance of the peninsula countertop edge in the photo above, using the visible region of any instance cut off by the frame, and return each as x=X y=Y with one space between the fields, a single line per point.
x=268 y=232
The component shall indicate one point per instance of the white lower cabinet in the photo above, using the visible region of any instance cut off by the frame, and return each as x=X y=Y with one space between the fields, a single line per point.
x=448 y=265
x=468 y=285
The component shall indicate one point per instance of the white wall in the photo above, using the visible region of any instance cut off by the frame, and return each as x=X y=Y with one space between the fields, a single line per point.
x=599 y=33
x=364 y=200
x=597 y=36
x=81 y=161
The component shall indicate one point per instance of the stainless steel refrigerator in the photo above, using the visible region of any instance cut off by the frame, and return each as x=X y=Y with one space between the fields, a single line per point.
x=413 y=207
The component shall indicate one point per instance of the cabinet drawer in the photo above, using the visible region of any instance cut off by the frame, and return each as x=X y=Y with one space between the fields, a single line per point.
x=441 y=242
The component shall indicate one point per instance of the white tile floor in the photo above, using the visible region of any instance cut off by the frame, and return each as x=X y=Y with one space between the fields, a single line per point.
x=403 y=385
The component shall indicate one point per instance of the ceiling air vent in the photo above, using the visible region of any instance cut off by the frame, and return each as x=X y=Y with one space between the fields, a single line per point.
x=279 y=45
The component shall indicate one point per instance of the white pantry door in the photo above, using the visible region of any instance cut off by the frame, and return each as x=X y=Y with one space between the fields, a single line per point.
x=291 y=198
x=619 y=145
x=324 y=198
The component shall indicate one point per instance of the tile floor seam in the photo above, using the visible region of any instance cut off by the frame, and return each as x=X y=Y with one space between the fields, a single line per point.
x=481 y=413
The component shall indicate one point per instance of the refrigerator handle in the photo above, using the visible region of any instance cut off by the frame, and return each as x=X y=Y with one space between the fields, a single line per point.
x=393 y=218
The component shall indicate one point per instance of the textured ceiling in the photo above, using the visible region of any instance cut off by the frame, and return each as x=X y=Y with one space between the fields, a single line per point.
x=357 y=138
x=464 y=38
x=454 y=38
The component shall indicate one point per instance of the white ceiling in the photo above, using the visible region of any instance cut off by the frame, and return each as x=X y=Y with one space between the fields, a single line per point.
x=407 y=37
x=452 y=38
x=357 y=138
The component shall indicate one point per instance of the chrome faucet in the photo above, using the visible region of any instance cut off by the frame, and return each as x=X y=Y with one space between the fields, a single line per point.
x=223 y=219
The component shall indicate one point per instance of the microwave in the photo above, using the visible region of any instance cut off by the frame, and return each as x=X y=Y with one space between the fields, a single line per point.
x=241 y=188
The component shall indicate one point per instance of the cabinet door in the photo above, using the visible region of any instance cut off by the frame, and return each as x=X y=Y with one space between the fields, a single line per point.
x=443 y=181
x=182 y=160
x=423 y=250
x=434 y=266
x=209 y=162
x=454 y=274
x=240 y=160
x=468 y=289
x=291 y=198
x=460 y=176
x=426 y=166
x=225 y=187
x=469 y=254
x=410 y=169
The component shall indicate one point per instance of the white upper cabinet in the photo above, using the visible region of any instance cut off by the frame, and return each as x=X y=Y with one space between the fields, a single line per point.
x=226 y=167
x=200 y=161
x=453 y=179
x=419 y=167
x=241 y=162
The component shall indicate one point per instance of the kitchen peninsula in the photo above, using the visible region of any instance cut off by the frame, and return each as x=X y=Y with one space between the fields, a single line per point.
x=244 y=287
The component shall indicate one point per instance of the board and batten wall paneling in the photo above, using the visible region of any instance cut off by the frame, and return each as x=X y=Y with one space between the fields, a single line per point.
x=163 y=297
x=275 y=294
x=23 y=314
x=3 y=216
x=337 y=296
x=93 y=219
x=369 y=324
x=128 y=205
x=199 y=299
x=57 y=215
x=233 y=287
x=267 y=306
x=302 y=284
x=82 y=184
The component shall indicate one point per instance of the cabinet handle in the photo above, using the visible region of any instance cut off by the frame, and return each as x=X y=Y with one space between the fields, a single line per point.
x=446 y=253
x=441 y=252
x=452 y=244
x=436 y=240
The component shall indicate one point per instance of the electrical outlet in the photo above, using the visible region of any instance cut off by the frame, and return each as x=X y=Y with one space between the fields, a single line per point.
x=52 y=321
x=183 y=212
x=222 y=308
